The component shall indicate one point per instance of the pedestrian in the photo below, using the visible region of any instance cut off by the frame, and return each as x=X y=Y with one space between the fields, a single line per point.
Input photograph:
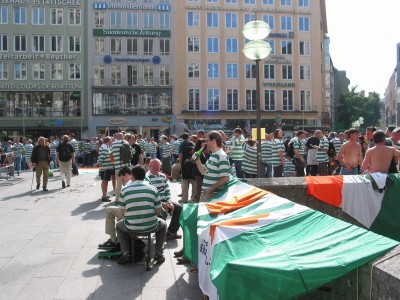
x=41 y=161
x=141 y=208
x=117 y=161
x=237 y=151
x=18 y=149
x=216 y=170
x=322 y=154
x=249 y=162
x=106 y=167
x=65 y=158
x=349 y=155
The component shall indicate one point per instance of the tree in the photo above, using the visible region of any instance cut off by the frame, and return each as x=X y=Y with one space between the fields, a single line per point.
x=353 y=105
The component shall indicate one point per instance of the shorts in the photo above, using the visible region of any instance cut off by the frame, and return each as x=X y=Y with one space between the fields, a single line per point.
x=105 y=175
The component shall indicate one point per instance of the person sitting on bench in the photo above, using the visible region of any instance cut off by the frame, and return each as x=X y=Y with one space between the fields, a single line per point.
x=141 y=208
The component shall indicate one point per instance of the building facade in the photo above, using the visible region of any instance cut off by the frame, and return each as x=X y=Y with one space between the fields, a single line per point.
x=130 y=66
x=42 y=67
x=214 y=83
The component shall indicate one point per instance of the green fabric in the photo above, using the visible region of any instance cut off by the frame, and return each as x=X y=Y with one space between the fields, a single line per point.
x=387 y=222
x=291 y=257
x=188 y=221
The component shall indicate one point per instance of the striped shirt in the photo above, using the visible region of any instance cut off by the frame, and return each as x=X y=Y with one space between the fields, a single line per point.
x=277 y=147
x=249 y=164
x=151 y=148
x=28 y=152
x=322 y=156
x=165 y=149
x=298 y=145
x=17 y=149
x=104 y=158
x=337 y=144
x=75 y=145
x=87 y=147
x=217 y=166
x=116 y=152
x=94 y=145
x=266 y=151
x=160 y=183
x=237 y=148
x=139 y=200
x=53 y=148
x=175 y=145
x=289 y=170
x=142 y=143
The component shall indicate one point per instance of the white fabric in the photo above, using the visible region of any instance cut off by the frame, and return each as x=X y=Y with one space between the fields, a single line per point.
x=360 y=200
x=380 y=179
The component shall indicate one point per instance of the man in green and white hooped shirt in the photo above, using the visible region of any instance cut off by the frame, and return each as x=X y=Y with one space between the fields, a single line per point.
x=322 y=154
x=141 y=208
x=216 y=170
x=17 y=148
x=278 y=153
x=237 y=151
x=298 y=158
x=106 y=167
x=116 y=160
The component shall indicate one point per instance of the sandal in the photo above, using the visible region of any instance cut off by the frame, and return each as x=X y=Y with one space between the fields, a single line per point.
x=105 y=199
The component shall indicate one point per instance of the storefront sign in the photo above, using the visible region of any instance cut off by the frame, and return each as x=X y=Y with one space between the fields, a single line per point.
x=132 y=32
x=279 y=84
x=277 y=59
x=117 y=121
x=37 y=56
x=159 y=7
x=43 y=2
x=248 y=8
x=43 y=86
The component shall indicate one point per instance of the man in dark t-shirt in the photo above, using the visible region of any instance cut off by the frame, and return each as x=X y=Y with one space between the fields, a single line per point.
x=137 y=155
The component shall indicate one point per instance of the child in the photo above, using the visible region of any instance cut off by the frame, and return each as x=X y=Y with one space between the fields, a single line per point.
x=289 y=169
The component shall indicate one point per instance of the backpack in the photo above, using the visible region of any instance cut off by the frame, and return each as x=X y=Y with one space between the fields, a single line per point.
x=65 y=154
x=290 y=150
x=125 y=152
x=331 y=150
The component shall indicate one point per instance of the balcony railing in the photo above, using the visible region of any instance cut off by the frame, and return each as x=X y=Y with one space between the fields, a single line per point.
x=272 y=108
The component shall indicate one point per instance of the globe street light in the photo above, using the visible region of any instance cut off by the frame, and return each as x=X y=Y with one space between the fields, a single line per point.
x=257 y=49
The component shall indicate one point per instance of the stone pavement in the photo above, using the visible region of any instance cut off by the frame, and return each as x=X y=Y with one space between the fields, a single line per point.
x=48 y=247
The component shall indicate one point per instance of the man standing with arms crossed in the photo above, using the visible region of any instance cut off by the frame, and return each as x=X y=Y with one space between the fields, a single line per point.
x=350 y=155
x=216 y=170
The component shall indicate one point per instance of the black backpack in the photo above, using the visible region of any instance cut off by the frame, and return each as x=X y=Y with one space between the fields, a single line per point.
x=331 y=149
x=125 y=153
x=290 y=150
x=64 y=153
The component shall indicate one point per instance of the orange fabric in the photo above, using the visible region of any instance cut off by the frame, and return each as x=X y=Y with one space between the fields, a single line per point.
x=236 y=222
x=326 y=188
x=236 y=202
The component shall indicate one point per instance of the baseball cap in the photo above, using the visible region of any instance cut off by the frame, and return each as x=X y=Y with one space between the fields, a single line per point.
x=396 y=130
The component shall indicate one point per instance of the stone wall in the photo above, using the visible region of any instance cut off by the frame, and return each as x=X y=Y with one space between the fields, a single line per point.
x=356 y=284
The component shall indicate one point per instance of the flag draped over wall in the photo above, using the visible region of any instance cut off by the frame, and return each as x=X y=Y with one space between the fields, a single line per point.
x=377 y=210
x=253 y=244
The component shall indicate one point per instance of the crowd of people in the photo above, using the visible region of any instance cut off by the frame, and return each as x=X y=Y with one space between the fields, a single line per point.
x=140 y=170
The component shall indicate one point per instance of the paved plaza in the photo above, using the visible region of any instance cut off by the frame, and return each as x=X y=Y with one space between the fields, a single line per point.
x=48 y=247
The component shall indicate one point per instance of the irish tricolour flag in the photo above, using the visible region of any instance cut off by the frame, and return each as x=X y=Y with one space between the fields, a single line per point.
x=252 y=244
x=377 y=210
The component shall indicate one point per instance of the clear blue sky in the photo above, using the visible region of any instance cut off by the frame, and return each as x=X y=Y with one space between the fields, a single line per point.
x=363 y=37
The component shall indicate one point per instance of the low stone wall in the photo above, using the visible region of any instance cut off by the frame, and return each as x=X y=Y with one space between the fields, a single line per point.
x=356 y=284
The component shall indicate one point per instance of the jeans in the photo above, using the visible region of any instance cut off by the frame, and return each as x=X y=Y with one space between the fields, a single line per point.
x=238 y=168
x=17 y=163
x=344 y=171
x=269 y=168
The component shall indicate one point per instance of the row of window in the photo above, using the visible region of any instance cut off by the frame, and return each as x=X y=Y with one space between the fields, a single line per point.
x=38 y=43
x=132 y=75
x=231 y=20
x=300 y=3
x=38 y=15
x=39 y=70
x=271 y=101
x=232 y=46
x=132 y=19
x=131 y=46
x=231 y=71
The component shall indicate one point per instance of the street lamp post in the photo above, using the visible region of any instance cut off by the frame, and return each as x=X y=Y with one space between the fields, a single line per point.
x=257 y=49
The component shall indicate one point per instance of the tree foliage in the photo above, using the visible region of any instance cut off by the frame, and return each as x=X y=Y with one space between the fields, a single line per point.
x=353 y=105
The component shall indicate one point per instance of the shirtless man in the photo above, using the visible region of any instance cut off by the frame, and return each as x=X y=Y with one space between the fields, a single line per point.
x=378 y=158
x=349 y=155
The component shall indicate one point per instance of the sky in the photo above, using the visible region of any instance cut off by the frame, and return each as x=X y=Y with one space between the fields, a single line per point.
x=363 y=37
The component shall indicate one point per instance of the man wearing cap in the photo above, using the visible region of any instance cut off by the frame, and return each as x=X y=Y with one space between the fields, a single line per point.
x=389 y=131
